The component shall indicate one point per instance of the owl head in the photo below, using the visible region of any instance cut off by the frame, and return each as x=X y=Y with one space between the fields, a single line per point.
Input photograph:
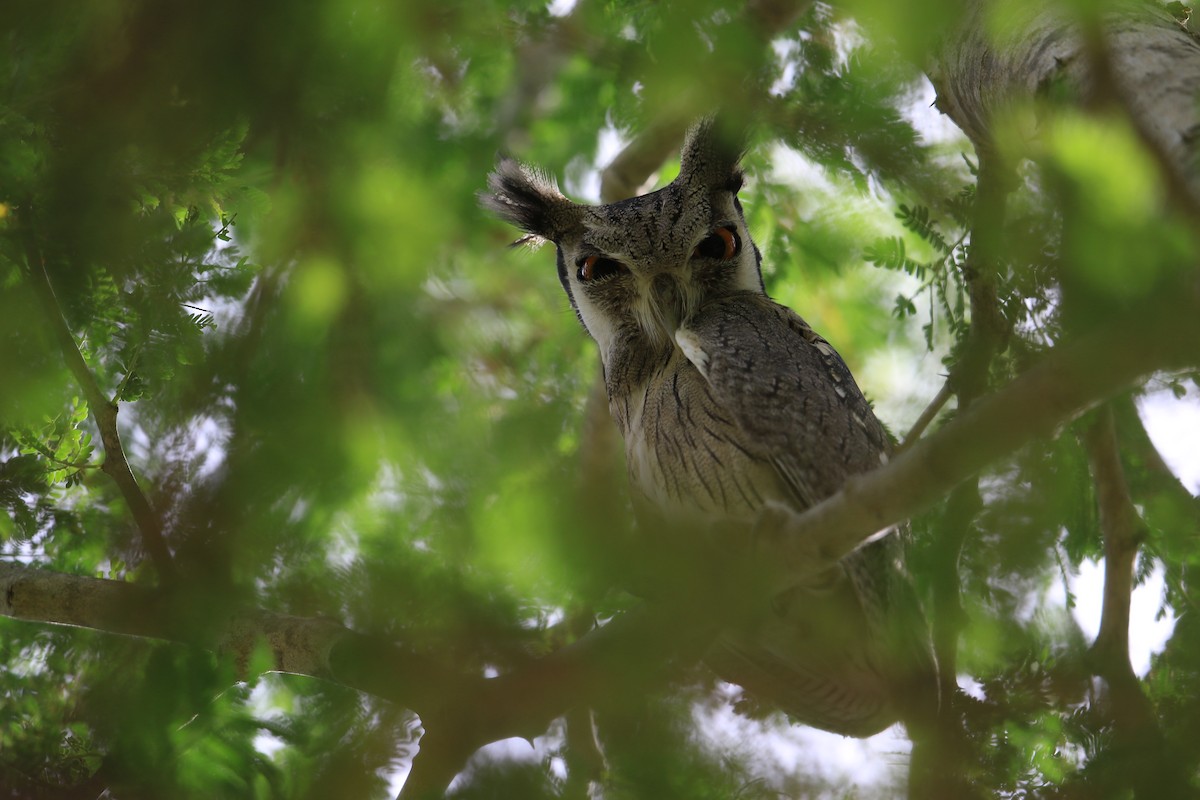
x=638 y=269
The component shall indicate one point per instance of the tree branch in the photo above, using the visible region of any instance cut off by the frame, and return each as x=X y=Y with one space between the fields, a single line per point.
x=634 y=165
x=1150 y=60
x=104 y=412
x=637 y=162
x=1123 y=531
x=1151 y=77
x=538 y=62
x=968 y=380
x=1070 y=378
x=1139 y=743
x=316 y=647
x=987 y=336
x=928 y=415
x=640 y=649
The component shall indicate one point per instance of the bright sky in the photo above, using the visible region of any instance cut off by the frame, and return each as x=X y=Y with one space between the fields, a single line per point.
x=1174 y=425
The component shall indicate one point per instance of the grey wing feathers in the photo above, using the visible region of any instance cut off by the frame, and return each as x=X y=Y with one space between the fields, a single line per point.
x=802 y=411
x=790 y=392
x=849 y=701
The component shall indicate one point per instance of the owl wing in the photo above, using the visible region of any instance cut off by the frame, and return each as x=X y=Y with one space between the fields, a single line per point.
x=788 y=390
x=800 y=409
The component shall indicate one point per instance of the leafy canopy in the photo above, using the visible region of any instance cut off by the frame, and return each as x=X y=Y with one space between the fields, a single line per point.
x=343 y=398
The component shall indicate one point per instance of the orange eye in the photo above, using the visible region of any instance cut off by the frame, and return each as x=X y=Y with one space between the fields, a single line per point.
x=593 y=268
x=722 y=244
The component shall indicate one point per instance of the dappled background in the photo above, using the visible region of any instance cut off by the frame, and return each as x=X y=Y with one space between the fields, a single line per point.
x=342 y=396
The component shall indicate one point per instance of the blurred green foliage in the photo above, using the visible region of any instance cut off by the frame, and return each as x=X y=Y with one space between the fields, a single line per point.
x=345 y=398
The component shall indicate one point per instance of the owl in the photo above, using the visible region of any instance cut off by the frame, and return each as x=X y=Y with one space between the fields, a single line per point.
x=733 y=411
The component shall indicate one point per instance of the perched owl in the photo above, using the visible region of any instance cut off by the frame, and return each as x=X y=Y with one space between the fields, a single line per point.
x=732 y=408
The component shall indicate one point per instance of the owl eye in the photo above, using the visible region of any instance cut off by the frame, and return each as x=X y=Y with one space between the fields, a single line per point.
x=594 y=268
x=722 y=244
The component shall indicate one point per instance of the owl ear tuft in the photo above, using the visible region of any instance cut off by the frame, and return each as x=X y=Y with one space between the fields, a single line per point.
x=530 y=200
x=711 y=153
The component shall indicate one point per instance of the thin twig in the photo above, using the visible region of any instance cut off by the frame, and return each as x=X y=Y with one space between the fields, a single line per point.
x=927 y=416
x=104 y=412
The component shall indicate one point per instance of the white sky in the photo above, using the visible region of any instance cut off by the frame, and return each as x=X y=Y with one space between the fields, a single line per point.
x=1174 y=426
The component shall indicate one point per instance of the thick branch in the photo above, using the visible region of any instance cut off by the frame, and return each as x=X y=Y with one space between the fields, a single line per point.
x=630 y=655
x=316 y=647
x=538 y=61
x=45 y=596
x=104 y=412
x=638 y=161
x=637 y=650
x=1122 y=530
x=1154 y=64
x=969 y=379
x=634 y=165
x=1175 y=156
x=1069 y=379
x=631 y=651
x=1139 y=745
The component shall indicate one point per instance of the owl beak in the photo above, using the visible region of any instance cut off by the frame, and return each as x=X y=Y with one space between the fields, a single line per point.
x=668 y=302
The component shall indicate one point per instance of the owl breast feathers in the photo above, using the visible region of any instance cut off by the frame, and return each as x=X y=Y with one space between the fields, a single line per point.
x=731 y=407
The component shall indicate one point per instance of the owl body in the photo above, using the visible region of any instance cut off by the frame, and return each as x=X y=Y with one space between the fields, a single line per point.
x=659 y=421
x=706 y=434
x=732 y=408
x=703 y=442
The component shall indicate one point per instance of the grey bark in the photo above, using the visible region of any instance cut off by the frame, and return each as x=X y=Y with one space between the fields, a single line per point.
x=1138 y=55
